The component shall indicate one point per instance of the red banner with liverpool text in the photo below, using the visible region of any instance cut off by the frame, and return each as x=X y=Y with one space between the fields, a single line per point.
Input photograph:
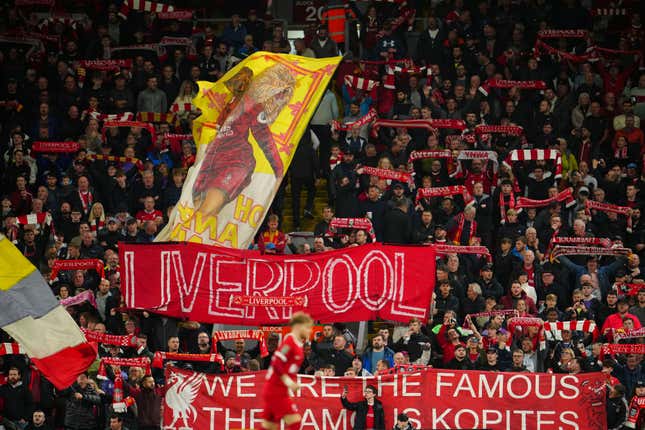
x=433 y=399
x=222 y=285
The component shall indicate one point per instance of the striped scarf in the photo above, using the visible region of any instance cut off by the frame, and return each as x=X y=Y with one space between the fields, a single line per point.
x=632 y=334
x=354 y=83
x=117 y=159
x=143 y=6
x=178 y=107
x=535 y=155
x=39 y=218
x=11 y=349
x=587 y=326
x=156 y=117
x=118 y=117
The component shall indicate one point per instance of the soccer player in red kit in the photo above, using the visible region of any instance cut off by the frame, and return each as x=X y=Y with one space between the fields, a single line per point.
x=281 y=377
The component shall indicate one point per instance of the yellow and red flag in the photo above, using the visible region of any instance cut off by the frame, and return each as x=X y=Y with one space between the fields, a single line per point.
x=252 y=120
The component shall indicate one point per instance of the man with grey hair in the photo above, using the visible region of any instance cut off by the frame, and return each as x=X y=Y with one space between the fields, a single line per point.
x=463 y=227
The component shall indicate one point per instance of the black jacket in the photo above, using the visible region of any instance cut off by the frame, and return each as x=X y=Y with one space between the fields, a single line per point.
x=397 y=227
x=361 y=413
x=18 y=403
x=79 y=414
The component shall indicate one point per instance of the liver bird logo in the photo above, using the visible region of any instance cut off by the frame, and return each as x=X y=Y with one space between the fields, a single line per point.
x=180 y=397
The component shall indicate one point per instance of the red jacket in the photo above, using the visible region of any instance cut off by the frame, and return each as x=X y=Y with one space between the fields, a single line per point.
x=278 y=239
x=508 y=302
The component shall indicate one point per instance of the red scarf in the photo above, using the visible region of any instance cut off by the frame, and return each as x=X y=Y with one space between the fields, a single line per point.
x=84 y=264
x=86 y=200
x=370 y=116
x=444 y=249
x=123 y=362
x=502 y=205
x=241 y=334
x=595 y=241
x=385 y=173
x=461 y=220
x=160 y=356
x=129 y=341
x=145 y=125
x=585 y=151
x=106 y=65
x=621 y=153
x=177 y=14
x=57 y=147
x=563 y=196
x=623 y=348
x=424 y=193
x=608 y=207
x=353 y=223
x=513 y=130
x=428 y=124
x=503 y=312
x=429 y=153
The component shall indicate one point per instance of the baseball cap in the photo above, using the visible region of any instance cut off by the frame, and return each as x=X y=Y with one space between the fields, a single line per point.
x=487 y=268
x=397 y=185
x=632 y=166
x=492 y=349
x=111 y=219
x=439 y=227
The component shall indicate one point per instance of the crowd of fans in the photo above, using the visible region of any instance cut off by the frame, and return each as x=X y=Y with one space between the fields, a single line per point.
x=80 y=203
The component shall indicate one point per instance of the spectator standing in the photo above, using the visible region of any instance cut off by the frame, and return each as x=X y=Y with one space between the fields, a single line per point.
x=369 y=411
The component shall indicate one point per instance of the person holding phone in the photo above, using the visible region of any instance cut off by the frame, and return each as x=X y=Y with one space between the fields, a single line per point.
x=369 y=411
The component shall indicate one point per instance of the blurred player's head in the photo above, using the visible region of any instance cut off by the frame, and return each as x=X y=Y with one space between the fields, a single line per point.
x=301 y=325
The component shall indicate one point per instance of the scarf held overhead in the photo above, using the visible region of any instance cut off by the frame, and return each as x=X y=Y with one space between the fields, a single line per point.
x=563 y=196
x=223 y=335
x=84 y=264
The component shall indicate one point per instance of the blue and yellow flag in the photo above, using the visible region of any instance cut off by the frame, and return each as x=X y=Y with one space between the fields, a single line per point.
x=30 y=313
x=252 y=120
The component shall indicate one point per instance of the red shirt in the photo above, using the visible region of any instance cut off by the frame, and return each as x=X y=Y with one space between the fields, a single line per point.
x=369 y=418
x=144 y=215
x=286 y=360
